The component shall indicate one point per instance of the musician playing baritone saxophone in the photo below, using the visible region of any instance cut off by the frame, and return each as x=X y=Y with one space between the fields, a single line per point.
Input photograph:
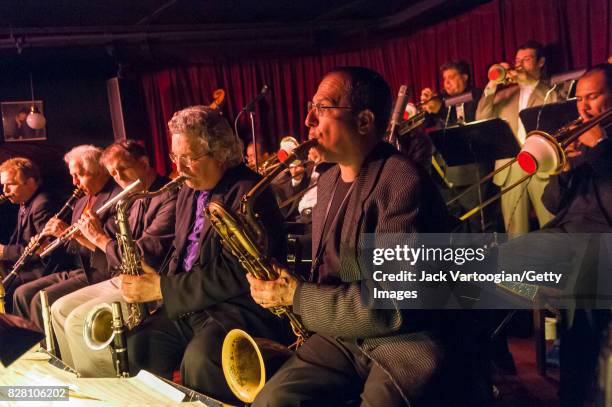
x=151 y=222
x=385 y=357
x=205 y=292
x=84 y=266
x=22 y=183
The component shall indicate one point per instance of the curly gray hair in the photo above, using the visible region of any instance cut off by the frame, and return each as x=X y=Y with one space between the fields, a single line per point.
x=212 y=131
x=89 y=157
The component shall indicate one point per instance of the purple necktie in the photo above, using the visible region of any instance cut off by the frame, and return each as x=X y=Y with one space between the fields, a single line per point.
x=193 y=245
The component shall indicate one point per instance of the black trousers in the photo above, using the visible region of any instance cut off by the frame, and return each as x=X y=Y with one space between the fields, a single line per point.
x=23 y=277
x=26 y=299
x=328 y=372
x=159 y=345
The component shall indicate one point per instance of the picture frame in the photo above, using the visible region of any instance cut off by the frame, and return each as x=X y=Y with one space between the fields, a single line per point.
x=14 y=124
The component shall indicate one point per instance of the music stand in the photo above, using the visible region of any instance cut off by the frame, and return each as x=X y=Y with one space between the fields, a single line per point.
x=480 y=141
x=17 y=336
x=550 y=117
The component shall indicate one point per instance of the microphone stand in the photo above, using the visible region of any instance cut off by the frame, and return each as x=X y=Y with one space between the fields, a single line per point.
x=254 y=138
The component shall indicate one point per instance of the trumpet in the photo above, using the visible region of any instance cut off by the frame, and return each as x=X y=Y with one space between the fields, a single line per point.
x=500 y=75
x=288 y=144
x=38 y=240
x=68 y=233
x=542 y=153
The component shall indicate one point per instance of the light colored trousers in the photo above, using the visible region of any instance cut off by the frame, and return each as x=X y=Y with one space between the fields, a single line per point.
x=515 y=203
x=68 y=315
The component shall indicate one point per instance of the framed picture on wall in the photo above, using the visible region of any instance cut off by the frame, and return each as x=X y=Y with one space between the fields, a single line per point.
x=14 y=123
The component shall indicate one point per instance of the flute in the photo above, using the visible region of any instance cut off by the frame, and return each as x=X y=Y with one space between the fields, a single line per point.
x=74 y=228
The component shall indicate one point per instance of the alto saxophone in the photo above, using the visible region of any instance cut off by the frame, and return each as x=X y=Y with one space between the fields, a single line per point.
x=130 y=255
x=245 y=236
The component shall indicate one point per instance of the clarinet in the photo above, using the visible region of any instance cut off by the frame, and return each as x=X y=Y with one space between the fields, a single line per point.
x=72 y=230
x=38 y=239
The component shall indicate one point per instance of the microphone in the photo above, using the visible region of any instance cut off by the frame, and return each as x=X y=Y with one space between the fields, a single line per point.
x=400 y=105
x=251 y=105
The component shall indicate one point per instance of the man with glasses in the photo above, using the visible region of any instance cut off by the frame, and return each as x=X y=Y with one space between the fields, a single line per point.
x=385 y=357
x=531 y=91
x=151 y=222
x=204 y=292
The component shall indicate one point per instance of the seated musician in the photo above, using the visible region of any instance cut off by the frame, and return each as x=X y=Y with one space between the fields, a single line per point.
x=581 y=200
x=151 y=221
x=291 y=183
x=205 y=293
x=22 y=185
x=85 y=266
x=456 y=80
x=385 y=357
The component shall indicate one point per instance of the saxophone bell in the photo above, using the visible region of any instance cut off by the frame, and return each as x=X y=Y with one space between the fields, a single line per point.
x=104 y=327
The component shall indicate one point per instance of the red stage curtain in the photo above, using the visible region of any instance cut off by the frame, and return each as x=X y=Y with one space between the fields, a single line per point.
x=578 y=33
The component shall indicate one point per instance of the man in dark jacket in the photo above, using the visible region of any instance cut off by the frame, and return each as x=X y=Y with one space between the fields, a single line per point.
x=385 y=356
x=86 y=265
x=151 y=222
x=21 y=181
x=205 y=293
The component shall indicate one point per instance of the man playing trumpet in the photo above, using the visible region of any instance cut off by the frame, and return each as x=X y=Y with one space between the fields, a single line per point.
x=506 y=104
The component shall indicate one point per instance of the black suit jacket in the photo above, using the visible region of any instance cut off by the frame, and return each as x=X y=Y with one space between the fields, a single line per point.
x=93 y=263
x=391 y=195
x=152 y=224
x=31 y=220
x=581 y=199
x=217 y=284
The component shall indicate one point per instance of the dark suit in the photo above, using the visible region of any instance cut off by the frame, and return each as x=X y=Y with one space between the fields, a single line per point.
x=151 y=221
x=92 y=266
x=358 y=350
x=31 y=220
x=284 y=189
x=581 y=201
x=576 y=238
x=202 y=304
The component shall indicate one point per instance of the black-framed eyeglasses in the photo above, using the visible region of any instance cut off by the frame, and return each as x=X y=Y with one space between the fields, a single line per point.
x=319 y=108
x=185 y=160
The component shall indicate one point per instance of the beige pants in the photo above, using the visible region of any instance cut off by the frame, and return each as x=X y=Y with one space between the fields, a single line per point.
x=515 y=203
x=68 y=315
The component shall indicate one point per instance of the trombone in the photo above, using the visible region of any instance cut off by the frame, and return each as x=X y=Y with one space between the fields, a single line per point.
x=541 y=153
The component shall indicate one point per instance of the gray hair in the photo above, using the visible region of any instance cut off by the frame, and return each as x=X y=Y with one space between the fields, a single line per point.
x=89 y=157
x=211 y=130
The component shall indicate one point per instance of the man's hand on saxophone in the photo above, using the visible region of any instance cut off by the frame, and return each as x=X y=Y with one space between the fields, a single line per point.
x=143 y=288
x=274 y=293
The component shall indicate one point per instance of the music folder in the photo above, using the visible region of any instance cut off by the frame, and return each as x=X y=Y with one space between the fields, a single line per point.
x=549 y=117
x=479 y=141
x=17 y=335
